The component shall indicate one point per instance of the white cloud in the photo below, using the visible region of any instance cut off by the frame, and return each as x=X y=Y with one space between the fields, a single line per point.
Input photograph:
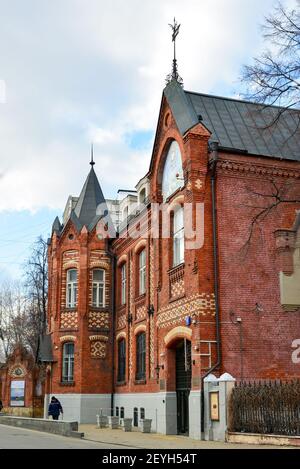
x=77 y=71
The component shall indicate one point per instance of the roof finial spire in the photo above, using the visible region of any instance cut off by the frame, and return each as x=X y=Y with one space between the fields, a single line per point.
x=174 y=75
x=92 y=162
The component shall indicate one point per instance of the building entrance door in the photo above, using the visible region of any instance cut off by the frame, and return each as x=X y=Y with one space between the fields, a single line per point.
x=183 y=385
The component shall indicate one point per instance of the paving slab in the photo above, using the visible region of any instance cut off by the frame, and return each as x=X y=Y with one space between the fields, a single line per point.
x=136 y=439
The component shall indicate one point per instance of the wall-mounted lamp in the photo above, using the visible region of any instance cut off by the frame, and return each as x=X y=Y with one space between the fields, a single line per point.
x=150 y=310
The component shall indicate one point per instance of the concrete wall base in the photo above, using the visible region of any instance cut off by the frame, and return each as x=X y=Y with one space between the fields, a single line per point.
x=42 y=425
x=258 y=439
x=81 y=407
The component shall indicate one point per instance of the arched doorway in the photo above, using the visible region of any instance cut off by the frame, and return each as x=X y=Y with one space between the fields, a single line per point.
x=183 y=384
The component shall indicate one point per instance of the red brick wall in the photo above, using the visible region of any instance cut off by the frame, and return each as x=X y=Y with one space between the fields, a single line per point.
x=245 y=280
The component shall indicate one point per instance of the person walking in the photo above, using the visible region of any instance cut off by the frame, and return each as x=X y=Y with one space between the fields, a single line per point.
x=1 y=405
x=55 y=408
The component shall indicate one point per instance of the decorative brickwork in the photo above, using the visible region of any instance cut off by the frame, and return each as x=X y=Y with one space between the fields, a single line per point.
x=141 y=313
x=199 y=305
x=98 y=349
x=177 y=288
x=98 y=320
x=151 y=319
x=121 y=321
x=176 y=277
x=69 y=320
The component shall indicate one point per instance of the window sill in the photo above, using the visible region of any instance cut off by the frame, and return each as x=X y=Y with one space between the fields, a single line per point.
x=99 y=308
x=140 y=298
x=140 y=381
x=121 y=383
x=67 y=383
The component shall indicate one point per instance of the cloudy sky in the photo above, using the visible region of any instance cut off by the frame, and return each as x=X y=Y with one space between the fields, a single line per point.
x=76 y=71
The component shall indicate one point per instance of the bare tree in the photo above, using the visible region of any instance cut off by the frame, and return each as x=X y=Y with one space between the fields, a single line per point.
x=274 y=77
x=36 y=290
x=23 y=306
x=261 y=204
x=13 y=316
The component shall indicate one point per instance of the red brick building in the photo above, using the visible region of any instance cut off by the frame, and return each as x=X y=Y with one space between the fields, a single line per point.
x=21 y=385
x=138 y=318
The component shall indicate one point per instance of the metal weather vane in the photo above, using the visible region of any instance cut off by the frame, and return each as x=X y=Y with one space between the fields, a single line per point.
x=174 y=75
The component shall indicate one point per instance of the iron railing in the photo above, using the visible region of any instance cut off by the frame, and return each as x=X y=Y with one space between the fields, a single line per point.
x=266 y=408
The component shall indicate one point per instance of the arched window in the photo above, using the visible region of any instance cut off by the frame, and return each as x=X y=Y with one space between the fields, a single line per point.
x=123 y=284
x=68 y=362
x=172 y=173
x=72 y=288
x=142 y=272
x=178 y=237
x=98 y=288
x=141 y=356
x=121 y=360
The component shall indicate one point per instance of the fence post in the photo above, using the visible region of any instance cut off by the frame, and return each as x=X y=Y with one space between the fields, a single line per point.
x=216 y=397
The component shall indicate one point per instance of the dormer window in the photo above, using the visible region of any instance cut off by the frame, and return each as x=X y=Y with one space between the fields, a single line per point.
x=72 y=287
x=98 y=288
x=142 y=196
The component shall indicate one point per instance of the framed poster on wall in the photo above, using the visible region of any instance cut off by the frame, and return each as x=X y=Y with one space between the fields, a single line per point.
x=17 y=393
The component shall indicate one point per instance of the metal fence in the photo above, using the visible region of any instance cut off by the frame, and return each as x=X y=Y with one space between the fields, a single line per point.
x=266 y=408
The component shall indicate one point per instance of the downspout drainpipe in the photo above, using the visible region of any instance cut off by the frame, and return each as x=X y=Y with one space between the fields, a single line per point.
x=214 y=148
x=113 y=312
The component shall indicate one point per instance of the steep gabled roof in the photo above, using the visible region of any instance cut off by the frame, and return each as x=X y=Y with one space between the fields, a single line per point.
x=89 y=200
x=238 y=125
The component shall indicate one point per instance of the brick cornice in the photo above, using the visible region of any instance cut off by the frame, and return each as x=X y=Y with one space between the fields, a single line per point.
x=243 y=168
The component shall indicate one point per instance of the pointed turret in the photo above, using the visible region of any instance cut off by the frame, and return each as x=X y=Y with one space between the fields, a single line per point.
x=91 y=197
x=56 y=226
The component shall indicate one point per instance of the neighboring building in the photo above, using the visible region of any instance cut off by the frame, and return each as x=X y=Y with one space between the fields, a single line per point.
x=136 y=323
x=21 y=385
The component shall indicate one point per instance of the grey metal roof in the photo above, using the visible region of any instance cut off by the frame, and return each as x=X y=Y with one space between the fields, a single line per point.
x=90 y=198
x=45 y=353
x=238 y=125
x=246 y=126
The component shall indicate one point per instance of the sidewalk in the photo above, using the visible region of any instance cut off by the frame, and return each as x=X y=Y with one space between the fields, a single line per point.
x=136 y=439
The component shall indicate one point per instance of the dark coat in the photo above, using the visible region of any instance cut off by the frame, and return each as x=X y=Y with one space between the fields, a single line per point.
x=54 y=409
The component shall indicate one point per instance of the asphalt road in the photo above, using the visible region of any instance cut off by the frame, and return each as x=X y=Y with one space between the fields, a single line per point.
x=18 y=438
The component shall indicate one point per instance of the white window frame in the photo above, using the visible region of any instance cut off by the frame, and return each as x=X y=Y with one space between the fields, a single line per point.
x=98 y=286
x=123 y=284
x=142 y=272
x=178 y=237
x=68 y=363
x=72 y=289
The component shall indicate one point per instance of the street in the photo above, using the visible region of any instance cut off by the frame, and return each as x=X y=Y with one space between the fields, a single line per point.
x=18 y=438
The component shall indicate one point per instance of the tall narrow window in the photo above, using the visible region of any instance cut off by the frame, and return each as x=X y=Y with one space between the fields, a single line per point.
x=123 y=284
x=98 y=288
x=141 y=356
x=121 y=360
x=68 y=362
x=142 y=272
x=178 y=237
x=72 y=288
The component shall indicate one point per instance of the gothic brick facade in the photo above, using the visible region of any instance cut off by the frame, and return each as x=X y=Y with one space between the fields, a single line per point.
x=225 y=299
